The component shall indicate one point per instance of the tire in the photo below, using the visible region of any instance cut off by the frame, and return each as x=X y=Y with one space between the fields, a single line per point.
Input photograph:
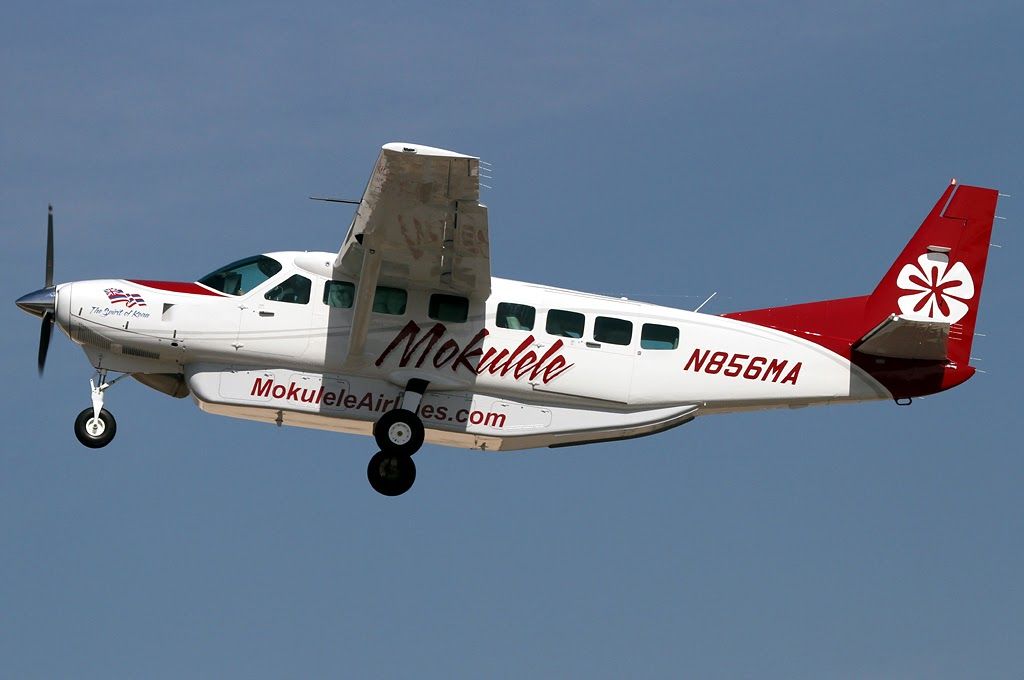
x=92 y=433
x=399 y=431
x=391 y=474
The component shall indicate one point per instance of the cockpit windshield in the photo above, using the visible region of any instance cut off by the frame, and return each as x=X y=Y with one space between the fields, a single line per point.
x=238 y=278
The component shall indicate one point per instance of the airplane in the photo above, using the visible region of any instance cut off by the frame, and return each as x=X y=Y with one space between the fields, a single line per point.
x=405 y=335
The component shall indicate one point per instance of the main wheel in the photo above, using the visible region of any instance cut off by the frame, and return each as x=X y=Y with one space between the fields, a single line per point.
x=95 y=432
x=391 y=474
x=399 y=431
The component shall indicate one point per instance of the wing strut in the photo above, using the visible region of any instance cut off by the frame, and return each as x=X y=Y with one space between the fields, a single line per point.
x=365 y=291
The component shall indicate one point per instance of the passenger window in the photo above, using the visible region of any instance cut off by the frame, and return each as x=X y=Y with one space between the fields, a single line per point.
x=448 y=308
x=294 y=289
x=516 y=317
x=613 y=331
x=565 y=324
x=339 y=294
x=654 y=336
x=389 y=300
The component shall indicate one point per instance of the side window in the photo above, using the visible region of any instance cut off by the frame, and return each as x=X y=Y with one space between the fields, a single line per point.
x=339 y=294
x=565 y=324
x=294 y=289
x=448 y=308
x=654 y=336
x=516 y=317
x=613 y=331
x=389 y=300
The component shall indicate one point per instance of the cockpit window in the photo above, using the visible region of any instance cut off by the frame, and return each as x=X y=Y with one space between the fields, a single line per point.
x=238 y=278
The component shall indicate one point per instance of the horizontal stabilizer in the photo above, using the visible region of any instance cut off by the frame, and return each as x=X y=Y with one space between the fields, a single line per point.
x=901 y=338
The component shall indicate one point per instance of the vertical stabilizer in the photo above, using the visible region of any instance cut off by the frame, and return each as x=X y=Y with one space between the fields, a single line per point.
x=939 y=274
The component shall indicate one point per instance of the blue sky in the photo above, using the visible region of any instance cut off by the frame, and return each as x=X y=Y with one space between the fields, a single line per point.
x=660 y=151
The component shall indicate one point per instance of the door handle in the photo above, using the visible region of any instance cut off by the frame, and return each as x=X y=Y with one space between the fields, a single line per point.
x=593 y=344
x=266 y=314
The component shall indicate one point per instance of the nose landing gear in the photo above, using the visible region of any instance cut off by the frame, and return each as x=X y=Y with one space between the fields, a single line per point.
x=399 y=434
x=95 y=427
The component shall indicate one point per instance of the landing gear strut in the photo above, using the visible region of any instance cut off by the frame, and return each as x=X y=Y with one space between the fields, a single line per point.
x=399 y=434
x=95 y=427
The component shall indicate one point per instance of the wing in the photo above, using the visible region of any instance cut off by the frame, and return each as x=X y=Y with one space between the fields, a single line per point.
x=419 y=223
x=421 y=215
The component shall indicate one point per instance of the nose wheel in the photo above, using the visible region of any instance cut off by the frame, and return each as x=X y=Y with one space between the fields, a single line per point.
x=399 y=434
x=95 y=427
x=95 y=432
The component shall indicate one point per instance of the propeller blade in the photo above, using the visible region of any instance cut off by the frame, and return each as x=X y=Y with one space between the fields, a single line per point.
x=49 y=248
x=44 y=339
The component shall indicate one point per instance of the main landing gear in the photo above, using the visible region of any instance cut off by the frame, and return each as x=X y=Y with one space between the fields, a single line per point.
x=399 y=434
x=95 y=427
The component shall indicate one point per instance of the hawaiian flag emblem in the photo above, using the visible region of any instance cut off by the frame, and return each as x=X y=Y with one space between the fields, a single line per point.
x=117 y=295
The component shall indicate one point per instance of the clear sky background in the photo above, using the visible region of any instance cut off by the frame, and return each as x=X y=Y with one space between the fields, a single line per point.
x=662 y=151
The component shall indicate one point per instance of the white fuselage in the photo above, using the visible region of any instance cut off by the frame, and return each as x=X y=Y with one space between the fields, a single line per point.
x=497 y=381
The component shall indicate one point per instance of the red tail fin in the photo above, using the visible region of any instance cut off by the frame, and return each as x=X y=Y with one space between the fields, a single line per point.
x=937 y=278
x=939 y=274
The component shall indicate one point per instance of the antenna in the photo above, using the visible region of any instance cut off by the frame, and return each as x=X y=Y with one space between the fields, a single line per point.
x=333 y=200
x=701 y=305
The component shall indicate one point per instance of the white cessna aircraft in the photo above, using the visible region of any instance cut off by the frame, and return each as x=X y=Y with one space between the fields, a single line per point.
x=405 y=335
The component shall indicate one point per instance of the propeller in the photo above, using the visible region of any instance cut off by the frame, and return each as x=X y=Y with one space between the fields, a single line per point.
x=46 y=330
x=49 y=247
x=42 y=303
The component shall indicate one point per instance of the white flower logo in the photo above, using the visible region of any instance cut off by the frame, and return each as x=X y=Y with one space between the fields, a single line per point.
x=940 y=292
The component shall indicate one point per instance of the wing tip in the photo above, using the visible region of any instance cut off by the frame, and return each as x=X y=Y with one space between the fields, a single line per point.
x=422 y=150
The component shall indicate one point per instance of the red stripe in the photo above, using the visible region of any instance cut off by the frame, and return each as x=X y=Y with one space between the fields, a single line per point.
x=178 y=287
